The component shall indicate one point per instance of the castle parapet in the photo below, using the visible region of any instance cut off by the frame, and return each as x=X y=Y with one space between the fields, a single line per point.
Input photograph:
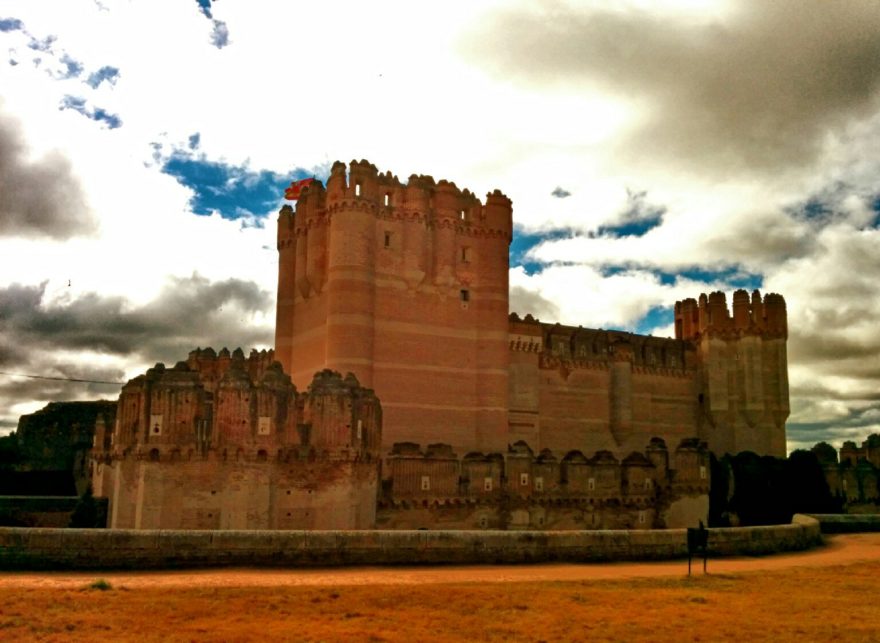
x=751 y=316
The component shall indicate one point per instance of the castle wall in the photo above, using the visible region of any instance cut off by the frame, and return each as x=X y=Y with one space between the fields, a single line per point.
x=576 y=388
x=224 y=442
x=518 y=490
x=211 y=494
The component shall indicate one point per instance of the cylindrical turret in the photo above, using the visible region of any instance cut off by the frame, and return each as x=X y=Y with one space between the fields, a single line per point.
x=351 y=274
x=447 y=214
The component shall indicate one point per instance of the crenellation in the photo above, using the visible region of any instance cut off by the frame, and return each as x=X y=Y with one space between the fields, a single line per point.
x=522 y=489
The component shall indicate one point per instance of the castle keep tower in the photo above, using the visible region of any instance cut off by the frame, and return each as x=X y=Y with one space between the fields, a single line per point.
x=406 y=286
x=743 y=370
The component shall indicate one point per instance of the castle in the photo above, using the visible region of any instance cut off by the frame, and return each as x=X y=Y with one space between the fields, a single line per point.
x=405 y=288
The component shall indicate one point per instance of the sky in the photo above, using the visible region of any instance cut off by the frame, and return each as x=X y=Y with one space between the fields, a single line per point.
x=653 y=151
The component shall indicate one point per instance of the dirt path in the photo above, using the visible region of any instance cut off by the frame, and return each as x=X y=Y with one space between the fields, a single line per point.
x=840 y=550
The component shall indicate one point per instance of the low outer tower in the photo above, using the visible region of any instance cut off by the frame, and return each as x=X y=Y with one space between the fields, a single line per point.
x=406 y=286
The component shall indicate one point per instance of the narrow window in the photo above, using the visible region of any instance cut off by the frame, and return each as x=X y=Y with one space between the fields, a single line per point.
x=487 y=484
x=465 y=254
x=465 y=295
x=539 y=483
x=426 y=483
x=156 y=424
x=360 y=430
x=702 y=473
x=591 y=484
x=642 y=518
x=461 y=215
x=387 y=239
x=264 y=425
x=524 y=479
x=648 y=482
x=387 y=199
x=357 y=189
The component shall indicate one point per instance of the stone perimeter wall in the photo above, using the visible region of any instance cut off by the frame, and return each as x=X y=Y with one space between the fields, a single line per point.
x=129 y=549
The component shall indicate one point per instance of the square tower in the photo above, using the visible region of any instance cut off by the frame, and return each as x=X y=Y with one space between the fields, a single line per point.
x=406 y=286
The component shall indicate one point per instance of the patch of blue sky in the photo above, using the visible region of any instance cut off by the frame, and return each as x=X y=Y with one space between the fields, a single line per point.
x=11 y=24
x=98 y=114
x=732 y=277
x=44 y=45
x=631 y=228
x=656 y=317
x=205 y=7
x=235 y=191
x=104 y=74
x=524 y=241
x=73 y=68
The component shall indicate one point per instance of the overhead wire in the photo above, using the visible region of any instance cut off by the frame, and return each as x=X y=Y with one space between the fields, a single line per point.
x=60 y=379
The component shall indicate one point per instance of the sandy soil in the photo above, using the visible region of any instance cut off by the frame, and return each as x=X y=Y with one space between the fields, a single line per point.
x=840 y=550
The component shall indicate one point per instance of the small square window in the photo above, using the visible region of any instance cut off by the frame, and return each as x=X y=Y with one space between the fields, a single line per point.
x=465 y=295
x=524 y=479
x=426 y=483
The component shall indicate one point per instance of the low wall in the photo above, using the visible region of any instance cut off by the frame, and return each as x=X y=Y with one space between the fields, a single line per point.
x=847 y=523
x=142 y=549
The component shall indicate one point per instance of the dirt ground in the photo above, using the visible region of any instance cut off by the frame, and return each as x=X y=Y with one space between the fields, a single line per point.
x=843 y=549
x=825 y=594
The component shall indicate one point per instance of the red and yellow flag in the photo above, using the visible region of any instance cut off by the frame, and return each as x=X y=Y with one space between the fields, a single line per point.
x=292 y=192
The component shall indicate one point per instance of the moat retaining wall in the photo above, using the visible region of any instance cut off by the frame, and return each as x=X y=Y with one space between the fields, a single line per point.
x=847 y=523
x=155 y=549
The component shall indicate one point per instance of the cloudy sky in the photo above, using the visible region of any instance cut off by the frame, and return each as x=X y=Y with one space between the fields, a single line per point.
x=653 y=151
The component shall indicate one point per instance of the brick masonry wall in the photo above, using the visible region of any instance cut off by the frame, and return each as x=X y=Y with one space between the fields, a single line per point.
x=130 y=549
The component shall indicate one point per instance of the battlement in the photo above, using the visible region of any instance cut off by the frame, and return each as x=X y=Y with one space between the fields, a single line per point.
x=579 y=346
x=224 y=402
x=363 y=187
x=520 y=489
x=751 y=315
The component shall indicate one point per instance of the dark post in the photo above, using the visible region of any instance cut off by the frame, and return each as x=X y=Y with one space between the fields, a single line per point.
x=698 y=542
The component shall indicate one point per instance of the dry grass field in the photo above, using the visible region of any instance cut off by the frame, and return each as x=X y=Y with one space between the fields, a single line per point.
x=803 y=603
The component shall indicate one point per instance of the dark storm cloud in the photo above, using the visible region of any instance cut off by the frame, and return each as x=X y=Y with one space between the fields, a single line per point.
x=560 y=193
x=38 y=198
x=42 y=338
x=188 y=312
x=754 y=92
